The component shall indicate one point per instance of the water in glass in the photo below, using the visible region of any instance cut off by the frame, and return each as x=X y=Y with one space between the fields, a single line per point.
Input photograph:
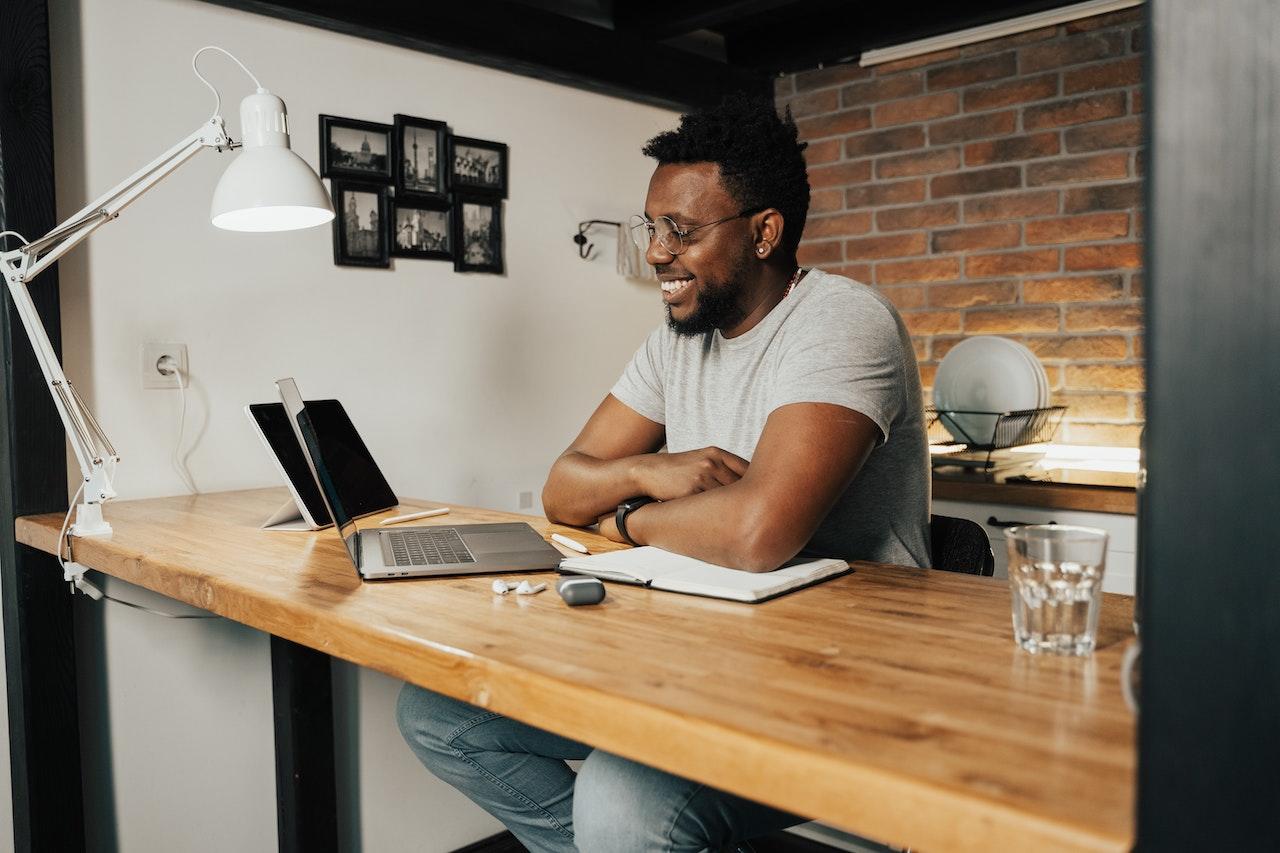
x=1055 y=576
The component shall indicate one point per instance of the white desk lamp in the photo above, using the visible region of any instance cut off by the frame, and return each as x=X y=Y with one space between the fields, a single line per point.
x=266 y=188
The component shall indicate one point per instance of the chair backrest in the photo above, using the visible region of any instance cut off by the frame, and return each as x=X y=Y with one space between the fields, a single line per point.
x=961 y=545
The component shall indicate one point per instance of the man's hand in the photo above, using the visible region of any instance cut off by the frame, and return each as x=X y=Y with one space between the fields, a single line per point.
x=666 y=476
x=597 y=472
x=609 y=528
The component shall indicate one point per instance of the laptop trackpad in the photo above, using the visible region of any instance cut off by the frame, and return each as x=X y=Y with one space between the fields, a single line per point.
x=501 y=543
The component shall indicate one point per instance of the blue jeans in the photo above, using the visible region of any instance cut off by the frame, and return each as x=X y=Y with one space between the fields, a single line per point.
x=517 y=773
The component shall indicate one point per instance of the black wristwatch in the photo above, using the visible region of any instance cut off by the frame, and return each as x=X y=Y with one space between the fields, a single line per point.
x=625 y=508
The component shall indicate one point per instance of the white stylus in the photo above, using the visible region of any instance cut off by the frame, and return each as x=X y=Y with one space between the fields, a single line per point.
x=569 y=543
x=413 y=516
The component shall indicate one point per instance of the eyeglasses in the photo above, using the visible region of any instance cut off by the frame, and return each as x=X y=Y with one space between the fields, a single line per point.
x=669 y=235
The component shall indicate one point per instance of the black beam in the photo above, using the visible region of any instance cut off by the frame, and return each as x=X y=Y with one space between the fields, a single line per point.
x=306 y=790
x=663 y=19
x=526 y=41
x=823 y=31
x=1209 y=746
x=44 y=734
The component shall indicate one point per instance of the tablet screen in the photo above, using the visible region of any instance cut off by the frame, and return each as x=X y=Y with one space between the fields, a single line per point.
x=355 y=474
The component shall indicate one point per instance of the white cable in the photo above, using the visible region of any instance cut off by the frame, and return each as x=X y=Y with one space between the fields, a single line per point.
x=176 y=459
x=178 y=462
x=4 y=234
x=153 y=612
x=66 y=522
x=217 y=96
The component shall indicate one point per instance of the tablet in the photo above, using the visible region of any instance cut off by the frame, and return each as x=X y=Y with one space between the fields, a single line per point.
x=353 y=465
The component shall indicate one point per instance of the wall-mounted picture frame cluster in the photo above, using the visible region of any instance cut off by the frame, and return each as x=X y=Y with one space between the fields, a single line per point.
x=411 y=189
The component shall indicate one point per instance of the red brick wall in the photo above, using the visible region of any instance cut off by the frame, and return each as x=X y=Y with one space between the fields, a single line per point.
x=995 y=189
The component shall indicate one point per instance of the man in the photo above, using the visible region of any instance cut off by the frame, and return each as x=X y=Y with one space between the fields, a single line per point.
x=789 y=405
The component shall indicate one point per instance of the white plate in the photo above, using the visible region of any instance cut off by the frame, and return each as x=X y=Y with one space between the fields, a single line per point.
x=1041 y=376
x=986 y=374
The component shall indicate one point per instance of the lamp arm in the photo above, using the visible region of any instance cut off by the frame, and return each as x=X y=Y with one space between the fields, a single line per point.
x=48 y=249
x=92 y=448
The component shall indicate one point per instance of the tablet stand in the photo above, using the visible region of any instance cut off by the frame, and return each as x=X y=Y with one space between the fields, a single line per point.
x=287 y=517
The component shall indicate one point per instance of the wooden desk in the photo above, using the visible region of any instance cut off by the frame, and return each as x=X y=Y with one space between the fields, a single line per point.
x=890 y=702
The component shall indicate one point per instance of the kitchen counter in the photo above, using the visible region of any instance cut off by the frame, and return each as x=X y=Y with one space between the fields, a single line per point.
x=1069 y=493
x=1053 y=476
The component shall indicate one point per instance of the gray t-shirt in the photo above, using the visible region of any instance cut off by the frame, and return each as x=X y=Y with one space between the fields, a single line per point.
x=832 y=340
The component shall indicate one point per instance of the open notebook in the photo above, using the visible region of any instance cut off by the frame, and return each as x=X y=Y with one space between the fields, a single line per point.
x=660 y=569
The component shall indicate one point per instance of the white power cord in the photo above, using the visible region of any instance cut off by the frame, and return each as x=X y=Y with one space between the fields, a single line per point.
x=217 y=96
x=169 y=367
x=4 y=234
x=73 y=573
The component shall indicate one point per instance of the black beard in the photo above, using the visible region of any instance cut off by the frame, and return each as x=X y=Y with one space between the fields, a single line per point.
x=718 y=307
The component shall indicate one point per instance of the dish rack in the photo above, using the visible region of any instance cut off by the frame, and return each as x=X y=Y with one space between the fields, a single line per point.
x=979 y=449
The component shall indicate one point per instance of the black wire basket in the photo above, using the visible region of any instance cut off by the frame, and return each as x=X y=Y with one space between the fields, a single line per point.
x=996 y=430
x=981 y=434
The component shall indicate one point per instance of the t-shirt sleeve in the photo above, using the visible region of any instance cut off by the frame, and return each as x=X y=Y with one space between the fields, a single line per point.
x=641 y=385
x=850 y=353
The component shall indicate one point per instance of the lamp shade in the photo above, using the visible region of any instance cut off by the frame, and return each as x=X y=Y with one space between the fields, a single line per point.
x=268 y=187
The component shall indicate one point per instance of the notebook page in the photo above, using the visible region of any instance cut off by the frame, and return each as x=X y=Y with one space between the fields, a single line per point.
x=643 y=564
x=676 y=573
x=717 y=581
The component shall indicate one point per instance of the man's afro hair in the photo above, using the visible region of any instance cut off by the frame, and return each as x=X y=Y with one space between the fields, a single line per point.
x=760 y=158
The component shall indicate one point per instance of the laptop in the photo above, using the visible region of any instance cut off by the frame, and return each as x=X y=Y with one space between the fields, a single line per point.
x=407 y=551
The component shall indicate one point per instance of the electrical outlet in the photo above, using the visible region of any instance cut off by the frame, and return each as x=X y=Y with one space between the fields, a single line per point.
x=526 y=500
x=152 y=353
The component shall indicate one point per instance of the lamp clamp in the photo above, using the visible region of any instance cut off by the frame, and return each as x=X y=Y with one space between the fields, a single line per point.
x=73 y=573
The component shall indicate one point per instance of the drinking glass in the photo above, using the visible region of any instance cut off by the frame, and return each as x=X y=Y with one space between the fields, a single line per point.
x=1055 y=576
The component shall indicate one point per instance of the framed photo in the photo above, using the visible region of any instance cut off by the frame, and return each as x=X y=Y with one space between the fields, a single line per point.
x=421 y=146
x=350 y=148
x=360 y=226
x=478 y=166
x=477 y=229
x=422 y=231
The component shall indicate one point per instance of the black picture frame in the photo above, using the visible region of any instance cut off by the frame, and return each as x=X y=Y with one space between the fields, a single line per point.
x=341 y=155
x=414 y=178
x=351 y=246
x=421 y=238
x=477 y=178
x=474 y=251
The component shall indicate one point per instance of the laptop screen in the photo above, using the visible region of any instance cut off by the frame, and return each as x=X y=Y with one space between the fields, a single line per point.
x=350 y=482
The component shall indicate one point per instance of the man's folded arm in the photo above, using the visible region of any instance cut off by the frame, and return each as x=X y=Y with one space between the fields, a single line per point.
x=807 y=456
x=598 y=471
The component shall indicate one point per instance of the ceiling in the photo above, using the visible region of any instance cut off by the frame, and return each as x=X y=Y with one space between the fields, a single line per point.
x=673 y=53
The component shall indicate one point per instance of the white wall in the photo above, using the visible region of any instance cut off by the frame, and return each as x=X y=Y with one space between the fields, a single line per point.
x=464 y=387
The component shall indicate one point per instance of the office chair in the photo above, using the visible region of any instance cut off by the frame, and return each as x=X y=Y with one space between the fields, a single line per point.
x=961 y=545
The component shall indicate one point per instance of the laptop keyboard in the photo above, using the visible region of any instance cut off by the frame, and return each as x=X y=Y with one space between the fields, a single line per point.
x=428 y=547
